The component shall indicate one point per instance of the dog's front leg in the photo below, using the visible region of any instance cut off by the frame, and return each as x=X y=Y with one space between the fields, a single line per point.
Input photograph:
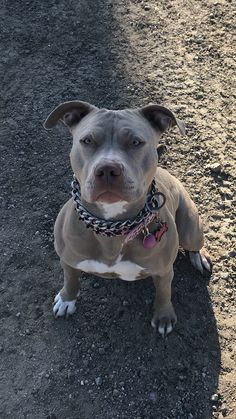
x=164 y=317
x=64 y=302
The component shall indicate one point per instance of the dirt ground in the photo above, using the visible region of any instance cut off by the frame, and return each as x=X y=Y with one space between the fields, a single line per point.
x=106 y=362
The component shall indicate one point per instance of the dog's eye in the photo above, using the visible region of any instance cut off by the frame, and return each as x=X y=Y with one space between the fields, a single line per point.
x=135 y=142
x=87 y=140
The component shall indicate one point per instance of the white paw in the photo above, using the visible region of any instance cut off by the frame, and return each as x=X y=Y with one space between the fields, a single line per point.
x=164 y=327
x=200 y=261
x=63 y=308
x=164 y=320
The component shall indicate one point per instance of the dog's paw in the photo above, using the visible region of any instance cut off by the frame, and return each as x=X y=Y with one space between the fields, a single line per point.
x=63 y=308
x=164 y=320
x=200 y=260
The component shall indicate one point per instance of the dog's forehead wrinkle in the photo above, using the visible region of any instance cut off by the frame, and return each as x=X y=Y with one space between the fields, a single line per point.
x=114 y=125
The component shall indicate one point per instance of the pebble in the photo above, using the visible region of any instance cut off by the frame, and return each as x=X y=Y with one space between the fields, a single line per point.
x=224 y=275
x=214 y=397
x=153 y=396
x=215 y=167
x=224 y=410
x=98 y=381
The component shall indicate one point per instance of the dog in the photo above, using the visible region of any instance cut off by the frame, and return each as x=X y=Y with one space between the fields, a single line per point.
x=127 y=216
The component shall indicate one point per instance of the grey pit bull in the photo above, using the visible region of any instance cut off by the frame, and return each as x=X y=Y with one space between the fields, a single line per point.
x=127 y=217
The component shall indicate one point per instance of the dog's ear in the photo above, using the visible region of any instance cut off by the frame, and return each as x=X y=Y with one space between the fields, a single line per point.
x=162 y=118
x=70 y=113
x=161 y=149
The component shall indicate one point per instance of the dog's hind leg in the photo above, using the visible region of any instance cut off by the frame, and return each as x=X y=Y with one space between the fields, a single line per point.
x=64 y=302
x=190 y=232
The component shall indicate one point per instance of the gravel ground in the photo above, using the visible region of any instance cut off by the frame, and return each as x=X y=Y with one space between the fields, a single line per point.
x=106 y=362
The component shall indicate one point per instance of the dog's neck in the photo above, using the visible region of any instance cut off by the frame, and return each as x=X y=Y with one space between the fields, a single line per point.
x=120 y=210
x=131 y=216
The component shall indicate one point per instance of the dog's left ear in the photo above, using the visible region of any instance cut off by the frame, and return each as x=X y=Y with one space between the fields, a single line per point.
x=162 y=118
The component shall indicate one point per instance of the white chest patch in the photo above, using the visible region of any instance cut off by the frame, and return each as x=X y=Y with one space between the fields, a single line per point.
x=126 y=270
x=112 y=210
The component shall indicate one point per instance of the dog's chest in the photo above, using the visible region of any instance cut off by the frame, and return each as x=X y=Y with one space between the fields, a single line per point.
x=126 y=270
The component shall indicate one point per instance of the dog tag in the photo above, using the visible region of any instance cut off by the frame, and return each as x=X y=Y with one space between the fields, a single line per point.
x=149 y=241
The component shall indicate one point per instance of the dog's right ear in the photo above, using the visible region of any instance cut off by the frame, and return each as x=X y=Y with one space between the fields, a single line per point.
x=70 y=113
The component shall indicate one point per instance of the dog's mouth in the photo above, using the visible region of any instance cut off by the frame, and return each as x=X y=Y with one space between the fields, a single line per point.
x=110 y=194
x=109 y=197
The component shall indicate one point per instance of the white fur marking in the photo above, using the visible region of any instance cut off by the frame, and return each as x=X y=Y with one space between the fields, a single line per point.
x=62 y=308
x=126 y=270
x=161 y=330
x=153 y=324
x=112 y=210
x=169 y=328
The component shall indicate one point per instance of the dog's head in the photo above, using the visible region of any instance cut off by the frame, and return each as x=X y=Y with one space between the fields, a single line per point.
x=114 y=153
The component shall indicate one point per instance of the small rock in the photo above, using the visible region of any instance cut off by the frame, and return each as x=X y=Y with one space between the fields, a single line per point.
x=224 y=410
x=27 y=332
x=224 y=275
x=215 y=397
x=18 y=314
x=115 y=392
x=98 y=381
x=215 y=167
x=153 y=396
x=101 y=351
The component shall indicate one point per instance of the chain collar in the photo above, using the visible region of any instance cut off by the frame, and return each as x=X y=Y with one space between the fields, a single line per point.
x=118 y=228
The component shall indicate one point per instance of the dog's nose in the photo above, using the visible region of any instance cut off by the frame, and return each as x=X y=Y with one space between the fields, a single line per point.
x=108 y=171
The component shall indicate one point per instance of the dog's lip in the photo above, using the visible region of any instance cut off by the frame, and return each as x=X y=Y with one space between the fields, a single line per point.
x=108 y=197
